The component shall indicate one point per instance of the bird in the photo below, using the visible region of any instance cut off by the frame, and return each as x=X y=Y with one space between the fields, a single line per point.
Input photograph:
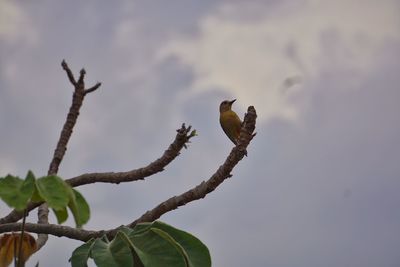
x=229 y=120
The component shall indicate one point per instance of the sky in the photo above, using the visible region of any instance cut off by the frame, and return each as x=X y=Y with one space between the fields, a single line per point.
x=321 y=183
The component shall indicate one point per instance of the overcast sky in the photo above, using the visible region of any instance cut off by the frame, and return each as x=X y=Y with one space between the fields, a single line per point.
x=321 y=184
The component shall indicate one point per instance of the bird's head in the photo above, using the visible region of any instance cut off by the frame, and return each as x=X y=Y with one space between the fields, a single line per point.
x=226 y=105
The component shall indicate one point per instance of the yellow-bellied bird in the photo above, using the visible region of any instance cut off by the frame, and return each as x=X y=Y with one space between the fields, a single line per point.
x=229 y=120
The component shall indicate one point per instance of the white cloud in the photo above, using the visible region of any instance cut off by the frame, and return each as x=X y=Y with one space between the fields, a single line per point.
x=15 y=25
x=251 y=58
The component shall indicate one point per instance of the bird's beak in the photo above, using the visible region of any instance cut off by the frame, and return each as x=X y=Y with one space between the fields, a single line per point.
x=231 y=102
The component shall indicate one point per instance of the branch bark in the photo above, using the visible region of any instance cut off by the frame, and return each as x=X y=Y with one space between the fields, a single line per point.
x=182 y=137
x=205 y=187
x=66 y=132
x=200 y=191
x=53 y=229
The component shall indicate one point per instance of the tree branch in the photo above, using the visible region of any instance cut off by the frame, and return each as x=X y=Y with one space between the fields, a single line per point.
x=53 y=229
x=200 y=191
x=69 y=72
x=93 y=88
x=182 y=138
x=15 y=215
x=66 y=132
x=205 y=187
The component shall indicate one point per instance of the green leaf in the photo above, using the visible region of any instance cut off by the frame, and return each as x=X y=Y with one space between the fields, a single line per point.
x=155 y=249
x=61 y=214
x=54 y=191
x=116 y=253
x=125 y=232
x=79 y=208
x=81 y=254
x=149 y=244
x=198 y=254
x=166 y=236
x=17 y=192
x=36 y=196
x=141 y=228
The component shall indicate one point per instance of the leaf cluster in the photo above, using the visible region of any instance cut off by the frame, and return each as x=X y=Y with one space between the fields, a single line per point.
x=52 y=189
x=154 y=244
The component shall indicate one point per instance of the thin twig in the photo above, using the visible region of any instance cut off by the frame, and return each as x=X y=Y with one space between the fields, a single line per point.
x=69 y=72
x=82 y=74
x=93 y=88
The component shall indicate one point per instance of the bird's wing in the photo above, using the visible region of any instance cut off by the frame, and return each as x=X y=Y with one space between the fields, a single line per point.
x=227 y=131
x=232 y=126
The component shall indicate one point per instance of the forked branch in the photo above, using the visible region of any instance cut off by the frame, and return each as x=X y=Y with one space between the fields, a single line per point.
x=66 y=132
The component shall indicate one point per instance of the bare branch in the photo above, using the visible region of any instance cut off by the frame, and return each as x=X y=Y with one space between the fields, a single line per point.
x=53 y=229
x=223 y=172
x=82 y=74
x=182 y=137
x=200 y=191
x=66 y=132
x=15 y=215
x=77 y=100
x=69 y=72
x=93 y=88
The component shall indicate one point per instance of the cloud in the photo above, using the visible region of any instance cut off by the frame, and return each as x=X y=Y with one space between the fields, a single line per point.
x=15 y=25
x=322 y=194
x=326 y=189
x=252 y=58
